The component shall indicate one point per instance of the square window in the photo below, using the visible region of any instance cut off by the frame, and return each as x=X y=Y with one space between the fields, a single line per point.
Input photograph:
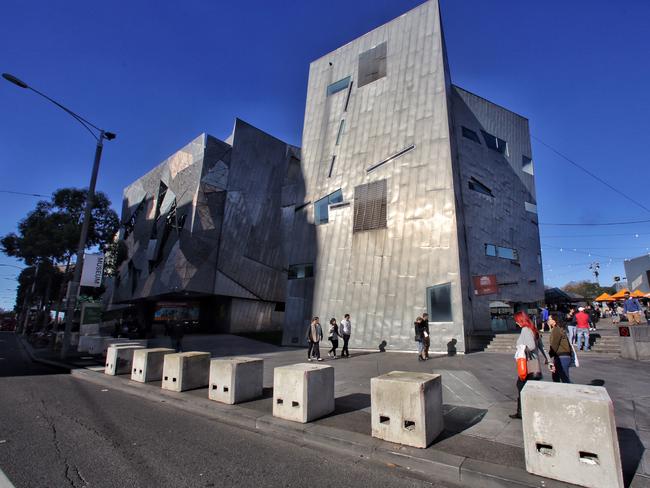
x=372 y=64
x=370 y=206
x=490 y=250
x=471 y=135
x=530 y=207
x=301 y=271
x=439 y=303
x=527 y=165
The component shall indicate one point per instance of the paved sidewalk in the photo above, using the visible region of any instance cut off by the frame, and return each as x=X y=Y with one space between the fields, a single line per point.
x=480 y=444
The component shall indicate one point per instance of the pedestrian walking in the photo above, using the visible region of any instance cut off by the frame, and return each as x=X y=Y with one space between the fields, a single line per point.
x=314 y=336
x=561 y=352
x=176 y=333
x=346 y=332
x=632 y=309
x=545 y=314
x=529 y=337
x=333 y=336
x=570 y=322
x=427 y=336
x=582 y=328
x=419 y=338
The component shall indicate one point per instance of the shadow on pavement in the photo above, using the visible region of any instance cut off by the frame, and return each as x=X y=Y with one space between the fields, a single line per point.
x=458 y=419
x=631 y=452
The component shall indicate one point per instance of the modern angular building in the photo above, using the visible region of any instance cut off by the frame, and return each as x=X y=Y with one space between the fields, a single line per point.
x=419 y=196
x=201 y=234
x=637 y=271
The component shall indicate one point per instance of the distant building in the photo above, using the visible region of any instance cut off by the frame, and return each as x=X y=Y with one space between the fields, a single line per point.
x=201 y=234
x=637 y=272
x=420 y=196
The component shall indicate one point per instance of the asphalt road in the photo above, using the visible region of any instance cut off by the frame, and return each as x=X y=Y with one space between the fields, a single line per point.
x=58 y=431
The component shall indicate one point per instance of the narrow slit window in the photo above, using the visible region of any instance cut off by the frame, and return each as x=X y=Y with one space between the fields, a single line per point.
x=479 y=187
x=338 y=86
x=338 y=136
x=329 y=174
x=390 y=158
x=347 y=99
x=471 y=135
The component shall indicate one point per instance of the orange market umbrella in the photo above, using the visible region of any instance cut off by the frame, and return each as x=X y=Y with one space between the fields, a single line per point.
x=620 y=294
x=637 y=294
x=605 y=297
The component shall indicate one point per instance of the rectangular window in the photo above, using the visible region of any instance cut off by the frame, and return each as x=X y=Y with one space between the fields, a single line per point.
x=390 y=158
x=439 y=303
x=476 y=185
x=329 y=174
x=527 y=165
x=338 y=136
x=370 y=206
x=471 y=135
x=494 y=143
x=530 y=207
x=501 y=252
x=347 y=99
x=321 y=207
x=372 y=64
x=338 y=86
x=301 y=271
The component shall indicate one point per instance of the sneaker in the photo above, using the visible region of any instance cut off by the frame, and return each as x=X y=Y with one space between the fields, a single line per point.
x=320 y=359
x=515 y=416
x=309 y=359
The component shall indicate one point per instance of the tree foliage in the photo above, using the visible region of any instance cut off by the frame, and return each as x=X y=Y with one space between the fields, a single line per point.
x=588 y=289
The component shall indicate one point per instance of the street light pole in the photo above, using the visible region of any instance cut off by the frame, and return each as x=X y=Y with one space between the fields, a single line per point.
x=99 y=135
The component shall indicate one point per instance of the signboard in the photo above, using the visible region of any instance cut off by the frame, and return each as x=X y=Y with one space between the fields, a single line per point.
x=623 y=331
x=166 y=311
x=91 y=274
x=485 y=284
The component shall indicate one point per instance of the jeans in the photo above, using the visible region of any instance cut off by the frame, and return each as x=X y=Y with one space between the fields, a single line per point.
x=177 y=344
x=344 y=351
x=420 y=348
x=313 y=350
x=335 y=344
x=583 y=334
x=520 y=386
x=561 y=364
x=571 y=329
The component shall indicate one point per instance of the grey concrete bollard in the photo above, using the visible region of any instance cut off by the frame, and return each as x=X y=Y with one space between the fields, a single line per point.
x=119 y=359
x=186 y=370
x=121 y=341
x=570 y=434
x=236 y=380
x=303 y=392
x=148 y=364
x=406 y=407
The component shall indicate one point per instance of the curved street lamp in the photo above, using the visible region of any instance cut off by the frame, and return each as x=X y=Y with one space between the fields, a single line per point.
x=99 y=135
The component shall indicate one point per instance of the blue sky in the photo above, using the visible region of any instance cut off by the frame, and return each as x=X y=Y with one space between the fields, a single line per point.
x=160 y=73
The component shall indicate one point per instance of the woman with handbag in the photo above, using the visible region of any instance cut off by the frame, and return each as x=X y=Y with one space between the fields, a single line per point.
x=561 y=352
x=530 y=340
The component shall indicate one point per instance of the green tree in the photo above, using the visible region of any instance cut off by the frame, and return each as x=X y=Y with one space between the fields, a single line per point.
x=588 y=289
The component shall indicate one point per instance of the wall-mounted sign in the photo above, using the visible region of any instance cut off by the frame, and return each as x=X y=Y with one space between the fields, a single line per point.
x=485 y=284
x=91 y=273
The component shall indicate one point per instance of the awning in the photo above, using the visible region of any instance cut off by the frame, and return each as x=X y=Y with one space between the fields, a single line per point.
x=619 y=295
x=605 y=297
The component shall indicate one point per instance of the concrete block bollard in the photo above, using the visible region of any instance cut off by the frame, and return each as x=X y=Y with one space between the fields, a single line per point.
x=119 y=359
x=406 y=407
x=303 y=392
x=186 y=370
x=148 y=364
x=236 y=380
x=121 y=341
x=570 y=434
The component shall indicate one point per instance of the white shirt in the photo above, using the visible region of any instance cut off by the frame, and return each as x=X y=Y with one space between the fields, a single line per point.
x=346 y=327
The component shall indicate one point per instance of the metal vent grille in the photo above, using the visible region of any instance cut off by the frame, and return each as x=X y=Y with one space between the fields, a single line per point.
x=370 y=206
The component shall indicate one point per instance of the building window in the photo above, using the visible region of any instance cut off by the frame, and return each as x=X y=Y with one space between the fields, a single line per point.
x=390 y=158
x=476 y=185
x=370 y=206
x=439 y=303
x=347 y=99
x=471 y=135
x=527 y=165
x=372 y=64
x=338 y=136
x=321 y=207
x=530 y=207
x=300 y=271
x=329 y=174
x=494 y=143
x=501 y=252
x=338 y=86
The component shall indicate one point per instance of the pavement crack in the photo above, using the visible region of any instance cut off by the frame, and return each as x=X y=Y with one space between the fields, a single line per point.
x=57 y=447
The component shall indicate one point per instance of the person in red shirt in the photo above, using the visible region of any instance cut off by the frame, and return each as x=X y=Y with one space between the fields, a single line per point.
x=582 y=328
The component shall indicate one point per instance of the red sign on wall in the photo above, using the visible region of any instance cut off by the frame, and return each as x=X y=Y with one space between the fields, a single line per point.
x=485 y=285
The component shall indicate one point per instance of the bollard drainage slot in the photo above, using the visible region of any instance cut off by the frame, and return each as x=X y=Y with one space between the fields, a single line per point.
x=225 y=389
x=409 y=425
x=166 y=378
x=174 y=380
x=279 y=401
x=589 y=458
x=135 y=369
x=294 y=404
x=544 y=449
x=214 y=387
x=384 y=420
x=140 y=371
x=107 y=365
